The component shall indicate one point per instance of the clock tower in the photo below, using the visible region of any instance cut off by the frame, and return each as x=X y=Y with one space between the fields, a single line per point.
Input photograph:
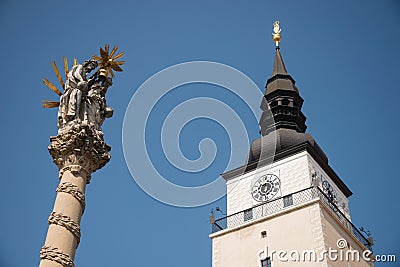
x=286 y=205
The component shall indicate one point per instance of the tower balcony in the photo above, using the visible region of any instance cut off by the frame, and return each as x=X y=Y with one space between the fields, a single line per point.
x=287 y=203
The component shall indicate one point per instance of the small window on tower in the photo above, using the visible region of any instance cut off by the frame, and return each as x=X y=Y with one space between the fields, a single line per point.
x=248 y=214
x=285 y=102
x=288 y=201
x=266 y=262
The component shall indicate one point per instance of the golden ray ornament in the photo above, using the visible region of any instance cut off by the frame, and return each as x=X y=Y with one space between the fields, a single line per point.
x=108 y=60
x=52 y=87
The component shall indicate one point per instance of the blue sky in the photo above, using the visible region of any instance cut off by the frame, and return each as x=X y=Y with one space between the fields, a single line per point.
x=343 y=55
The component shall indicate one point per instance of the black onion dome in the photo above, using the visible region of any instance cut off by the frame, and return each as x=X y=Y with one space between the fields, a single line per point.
x=285 y=138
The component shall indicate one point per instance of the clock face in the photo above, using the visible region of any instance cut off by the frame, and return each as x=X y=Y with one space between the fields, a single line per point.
x=265 y=188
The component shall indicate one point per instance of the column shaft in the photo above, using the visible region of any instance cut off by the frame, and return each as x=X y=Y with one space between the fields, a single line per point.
x=63 y=235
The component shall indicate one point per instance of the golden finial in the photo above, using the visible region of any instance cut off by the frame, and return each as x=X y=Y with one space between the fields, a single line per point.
x=276 y=36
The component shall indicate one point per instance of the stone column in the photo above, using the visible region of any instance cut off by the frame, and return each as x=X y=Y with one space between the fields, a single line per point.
x=78 y=152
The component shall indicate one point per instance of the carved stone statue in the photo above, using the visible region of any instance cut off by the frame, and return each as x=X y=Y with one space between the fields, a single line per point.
x=95 y=109
x=77 y=83
x=83 y=100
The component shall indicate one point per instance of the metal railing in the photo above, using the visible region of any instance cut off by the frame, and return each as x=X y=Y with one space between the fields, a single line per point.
x=281 y=203
x=343 y=219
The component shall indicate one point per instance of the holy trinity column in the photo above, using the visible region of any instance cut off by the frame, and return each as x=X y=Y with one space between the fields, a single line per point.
x=78 y=149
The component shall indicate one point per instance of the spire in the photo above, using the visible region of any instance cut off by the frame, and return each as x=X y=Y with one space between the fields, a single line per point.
x=281 y=96
x=279 y=66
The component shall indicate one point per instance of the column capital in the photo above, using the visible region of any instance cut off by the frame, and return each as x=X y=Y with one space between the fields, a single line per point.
x=81 y=148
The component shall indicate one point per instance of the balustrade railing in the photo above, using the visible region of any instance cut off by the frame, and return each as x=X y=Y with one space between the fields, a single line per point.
x=281 y=203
